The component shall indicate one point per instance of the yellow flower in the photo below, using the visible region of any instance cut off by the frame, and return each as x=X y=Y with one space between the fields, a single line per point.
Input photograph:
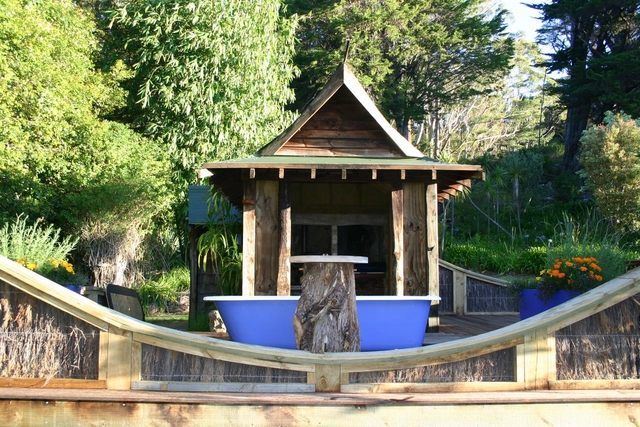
x=538 y=279
x=32 y=266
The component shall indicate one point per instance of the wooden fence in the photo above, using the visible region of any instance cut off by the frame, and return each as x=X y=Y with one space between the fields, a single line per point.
x=131 y=354
x=467 y=292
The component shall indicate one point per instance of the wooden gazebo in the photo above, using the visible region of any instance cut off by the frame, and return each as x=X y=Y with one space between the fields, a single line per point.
x=341 y=180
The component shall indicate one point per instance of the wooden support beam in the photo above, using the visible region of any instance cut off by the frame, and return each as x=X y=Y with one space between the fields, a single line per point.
x=374 y=174
x=459 y=292
x=103 y=351
x=328 y=378
x=539 y=360
x=267 y=237
x=415 y=239
x=252 y=173
x=281 y=173
x=284 y=253
x=119 y=367
x=403 y=174
x=249 y=238
x=433 y=252
x=397 y=237
x=313 y=174
x=344 y=174
x=434 y=174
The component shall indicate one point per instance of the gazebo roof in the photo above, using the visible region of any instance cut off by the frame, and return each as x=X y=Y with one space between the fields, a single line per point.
x=340 y=134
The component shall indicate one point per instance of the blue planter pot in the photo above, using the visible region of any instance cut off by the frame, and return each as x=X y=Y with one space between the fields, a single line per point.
x=74 y=288
x=532 y=302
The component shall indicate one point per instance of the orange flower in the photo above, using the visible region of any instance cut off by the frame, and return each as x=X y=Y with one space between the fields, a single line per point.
x=561 y=275
x=578 y=260
x=568 y=264
x=583 y=268
x=598 y=277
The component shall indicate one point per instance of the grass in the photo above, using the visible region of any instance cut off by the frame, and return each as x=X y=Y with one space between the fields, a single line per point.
x=164 y=291
x=170 y=320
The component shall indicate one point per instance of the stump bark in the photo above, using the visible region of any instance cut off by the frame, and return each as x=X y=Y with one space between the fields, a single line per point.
x=326 y=319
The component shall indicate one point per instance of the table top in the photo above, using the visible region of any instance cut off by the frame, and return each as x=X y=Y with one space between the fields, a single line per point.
x=330 y=258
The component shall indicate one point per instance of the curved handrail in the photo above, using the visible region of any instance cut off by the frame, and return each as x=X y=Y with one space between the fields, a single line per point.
x=473 y=274
x=585 y=305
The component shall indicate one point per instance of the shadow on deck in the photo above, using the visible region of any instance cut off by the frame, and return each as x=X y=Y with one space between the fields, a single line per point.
x=454 y=327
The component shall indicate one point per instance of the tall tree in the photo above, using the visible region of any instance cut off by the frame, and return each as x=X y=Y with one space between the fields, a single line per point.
x=417 y=57
x=596 y=44
x=210 y=78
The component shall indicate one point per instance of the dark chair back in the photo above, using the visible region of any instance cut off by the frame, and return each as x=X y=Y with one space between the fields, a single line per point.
x=125 y=300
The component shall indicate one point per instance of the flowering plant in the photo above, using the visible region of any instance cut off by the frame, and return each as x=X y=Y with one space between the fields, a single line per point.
x=576 y=274
x=58 y=270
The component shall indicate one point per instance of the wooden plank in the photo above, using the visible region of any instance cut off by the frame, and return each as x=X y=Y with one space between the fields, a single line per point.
x=473 y=274
x=415 y=239
x=136 y=361
x=454 y=387
x=338 y=219
x=70 y=383
x=267 y=237
x=519 y=364
x=629 y=384
x=119 y=368
x=341 y=400
x=284 y=249
x=185 y=386
x=459 y=292
x=397 y=230
x=103 y=351
x=249 y=239
x=328 y=378
x=497 y=409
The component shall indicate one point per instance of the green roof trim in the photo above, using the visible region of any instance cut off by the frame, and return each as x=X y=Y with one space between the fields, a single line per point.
x=308 y=162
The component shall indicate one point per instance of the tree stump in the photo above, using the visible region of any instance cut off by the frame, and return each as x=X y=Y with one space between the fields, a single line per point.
x=326 y=319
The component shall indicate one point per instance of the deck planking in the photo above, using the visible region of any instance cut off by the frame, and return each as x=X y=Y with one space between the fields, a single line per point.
x=454 y=327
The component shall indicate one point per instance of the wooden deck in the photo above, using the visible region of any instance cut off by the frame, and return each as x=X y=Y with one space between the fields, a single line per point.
x=454 y=327
x=532 y=408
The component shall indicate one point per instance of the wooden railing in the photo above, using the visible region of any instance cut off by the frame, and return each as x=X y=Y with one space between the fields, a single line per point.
x=462 y=282
x=122 y=339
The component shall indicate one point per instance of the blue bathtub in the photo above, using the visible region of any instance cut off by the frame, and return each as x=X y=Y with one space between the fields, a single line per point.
x=386 y=322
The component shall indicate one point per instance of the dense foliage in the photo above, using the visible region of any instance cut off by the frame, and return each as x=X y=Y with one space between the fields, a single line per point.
x=610 y=158
x=210 y=78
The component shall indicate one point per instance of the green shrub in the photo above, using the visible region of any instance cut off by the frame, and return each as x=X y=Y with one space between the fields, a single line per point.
x=612 y=259
x=610 y=157
x=164 y=291
x=34 y=244
x=530 y=260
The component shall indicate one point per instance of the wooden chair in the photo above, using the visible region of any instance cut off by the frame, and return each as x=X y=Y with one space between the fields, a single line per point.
x=125 y=300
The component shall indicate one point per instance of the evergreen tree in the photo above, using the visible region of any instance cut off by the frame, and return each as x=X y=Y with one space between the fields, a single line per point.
x=597 y=44
x=417 y=57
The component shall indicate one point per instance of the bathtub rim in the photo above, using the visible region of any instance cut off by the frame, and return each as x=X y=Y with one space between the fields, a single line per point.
x=391 y=298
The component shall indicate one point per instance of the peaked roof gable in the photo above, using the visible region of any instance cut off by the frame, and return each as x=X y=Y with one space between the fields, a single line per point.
x=343 y=78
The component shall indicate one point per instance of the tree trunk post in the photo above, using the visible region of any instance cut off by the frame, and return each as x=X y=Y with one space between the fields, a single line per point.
x=326 y=319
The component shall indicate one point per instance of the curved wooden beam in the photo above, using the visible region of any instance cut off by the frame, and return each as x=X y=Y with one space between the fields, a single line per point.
x=585 y=305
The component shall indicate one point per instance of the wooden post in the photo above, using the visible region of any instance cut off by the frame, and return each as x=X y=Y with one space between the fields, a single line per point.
x=539 y=360
x=326 y=319
x=119 y=357
x=267 y=238
x=328 y=378
x=415 y=239
x=284 y=262
x=397 y=230
x=459 y=292
x=249 y=238
x=433 y=253
x=194 y=301
x=103 y=352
